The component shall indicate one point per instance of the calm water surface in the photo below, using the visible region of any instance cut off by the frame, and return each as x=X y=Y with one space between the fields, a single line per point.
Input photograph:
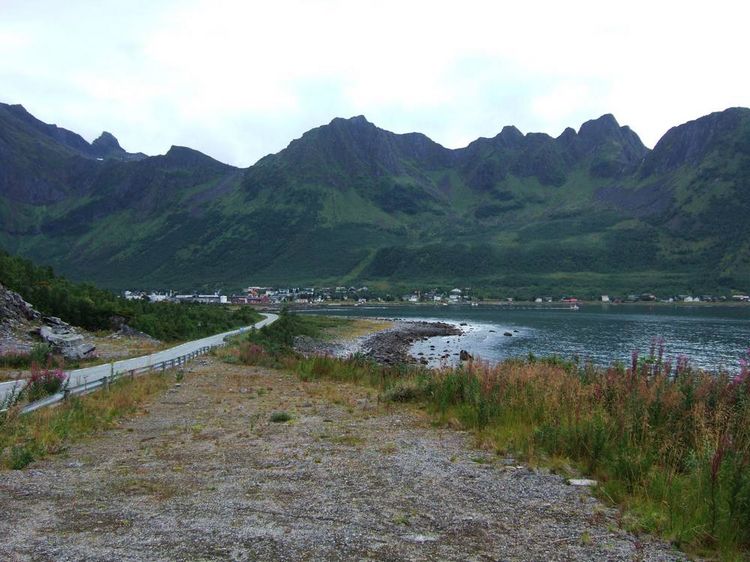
x=711 y=336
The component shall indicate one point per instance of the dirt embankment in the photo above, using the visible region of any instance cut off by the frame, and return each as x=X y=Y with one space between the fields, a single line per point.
x=206 y=475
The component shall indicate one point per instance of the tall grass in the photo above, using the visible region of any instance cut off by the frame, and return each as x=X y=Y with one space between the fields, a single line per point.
x=41 y=353
x=669 y=443
x=25 y=438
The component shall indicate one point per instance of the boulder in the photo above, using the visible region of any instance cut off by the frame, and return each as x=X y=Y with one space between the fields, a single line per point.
x=66 y=341
x=464 y=355
x=582 y=482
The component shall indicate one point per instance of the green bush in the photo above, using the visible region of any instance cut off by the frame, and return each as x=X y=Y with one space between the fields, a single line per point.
x=280 y=417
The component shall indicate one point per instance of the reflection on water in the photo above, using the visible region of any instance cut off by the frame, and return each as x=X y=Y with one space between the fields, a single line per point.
x=711 y=336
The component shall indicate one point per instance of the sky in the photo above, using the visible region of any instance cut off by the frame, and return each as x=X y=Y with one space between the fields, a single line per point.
x=239 y=80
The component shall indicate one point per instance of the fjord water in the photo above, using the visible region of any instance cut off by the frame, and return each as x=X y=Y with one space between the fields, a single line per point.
x=712 y=337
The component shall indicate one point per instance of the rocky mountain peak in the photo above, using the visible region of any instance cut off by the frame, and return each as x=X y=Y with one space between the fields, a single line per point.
x=691 y=142
x=597 y=131
x=106 y=146
x=509 y=137
x=182 y=156
x=106 y=141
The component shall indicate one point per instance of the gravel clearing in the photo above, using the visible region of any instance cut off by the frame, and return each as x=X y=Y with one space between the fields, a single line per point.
x=206 y=475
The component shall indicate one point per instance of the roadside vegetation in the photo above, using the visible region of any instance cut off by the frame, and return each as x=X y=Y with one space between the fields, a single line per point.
x=40 y=354
x=29 y=437
x=92 y=308
x=668 y=443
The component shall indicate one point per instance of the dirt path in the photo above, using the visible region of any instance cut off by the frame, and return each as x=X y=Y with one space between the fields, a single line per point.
x=205 y=475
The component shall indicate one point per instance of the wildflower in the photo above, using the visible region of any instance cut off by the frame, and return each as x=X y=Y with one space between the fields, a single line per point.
x=44 y=382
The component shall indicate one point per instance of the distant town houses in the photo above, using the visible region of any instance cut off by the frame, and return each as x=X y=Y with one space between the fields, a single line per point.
x=264 y=295
x=215 y=298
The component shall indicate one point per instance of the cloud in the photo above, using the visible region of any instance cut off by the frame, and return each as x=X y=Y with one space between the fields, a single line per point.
x=238 y=80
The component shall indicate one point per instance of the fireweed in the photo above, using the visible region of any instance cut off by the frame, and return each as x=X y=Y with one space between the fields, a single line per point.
x=44 y=381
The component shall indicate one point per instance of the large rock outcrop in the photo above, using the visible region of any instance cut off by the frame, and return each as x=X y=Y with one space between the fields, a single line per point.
x=22 y=326
x=64 y=339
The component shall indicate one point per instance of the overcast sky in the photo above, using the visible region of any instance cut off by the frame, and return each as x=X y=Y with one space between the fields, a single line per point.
x=238 y=80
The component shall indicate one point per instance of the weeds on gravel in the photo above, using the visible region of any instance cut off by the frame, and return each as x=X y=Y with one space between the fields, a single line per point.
x=280 y=417
x=668 y=442
x=26 y=438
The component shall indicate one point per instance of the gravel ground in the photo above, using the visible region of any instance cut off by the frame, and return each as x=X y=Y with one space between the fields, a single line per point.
x=205 y=475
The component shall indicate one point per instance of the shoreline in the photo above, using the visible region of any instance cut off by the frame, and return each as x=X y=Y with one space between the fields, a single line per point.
x=504 y=304
x=393 y=346
x=390 y=345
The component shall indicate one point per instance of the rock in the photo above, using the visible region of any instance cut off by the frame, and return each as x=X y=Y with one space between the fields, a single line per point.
x=117 y=322
x=17 y=318
x=420 y=538
x=507 y=334
x=392 y=346
x=464 y=355
x=14 y=308
x=582 y=482
x=66 y=341
x=129 y=332
x=55 y=321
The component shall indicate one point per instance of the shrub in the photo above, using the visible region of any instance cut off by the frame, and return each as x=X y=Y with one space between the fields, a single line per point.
x=253 y=354
x=44 y=382
x=403 y=392
x=280 y=417
x=20 y=457
x=41 y=353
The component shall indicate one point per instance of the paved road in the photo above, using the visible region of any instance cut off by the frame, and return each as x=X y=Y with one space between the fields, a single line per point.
x=91 y=374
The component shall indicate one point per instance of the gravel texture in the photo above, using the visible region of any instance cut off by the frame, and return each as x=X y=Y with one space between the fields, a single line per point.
x=206 y=475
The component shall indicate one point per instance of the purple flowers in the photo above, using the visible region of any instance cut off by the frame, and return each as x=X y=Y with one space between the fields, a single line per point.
x=44 y=382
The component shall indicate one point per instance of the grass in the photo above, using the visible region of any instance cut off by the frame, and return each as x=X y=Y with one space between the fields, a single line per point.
x=669 y=444
x=26 y=438
x=39 y=354
x=280 y=417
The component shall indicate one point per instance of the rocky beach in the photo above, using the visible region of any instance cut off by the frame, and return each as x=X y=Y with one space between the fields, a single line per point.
x=393 y=346
x=388 y=346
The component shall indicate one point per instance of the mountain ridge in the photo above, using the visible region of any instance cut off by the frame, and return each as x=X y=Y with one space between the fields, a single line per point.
x=592 y=209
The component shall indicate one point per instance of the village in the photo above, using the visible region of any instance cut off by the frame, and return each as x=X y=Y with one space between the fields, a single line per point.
x=256 y=295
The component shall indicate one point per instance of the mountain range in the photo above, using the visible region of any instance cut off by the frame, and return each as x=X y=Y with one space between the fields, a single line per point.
x=592 y=210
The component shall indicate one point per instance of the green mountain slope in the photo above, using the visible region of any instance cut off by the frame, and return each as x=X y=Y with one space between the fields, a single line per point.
x=593 y=210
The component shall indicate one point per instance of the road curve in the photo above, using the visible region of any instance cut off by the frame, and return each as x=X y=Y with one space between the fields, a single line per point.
x=91 y=374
